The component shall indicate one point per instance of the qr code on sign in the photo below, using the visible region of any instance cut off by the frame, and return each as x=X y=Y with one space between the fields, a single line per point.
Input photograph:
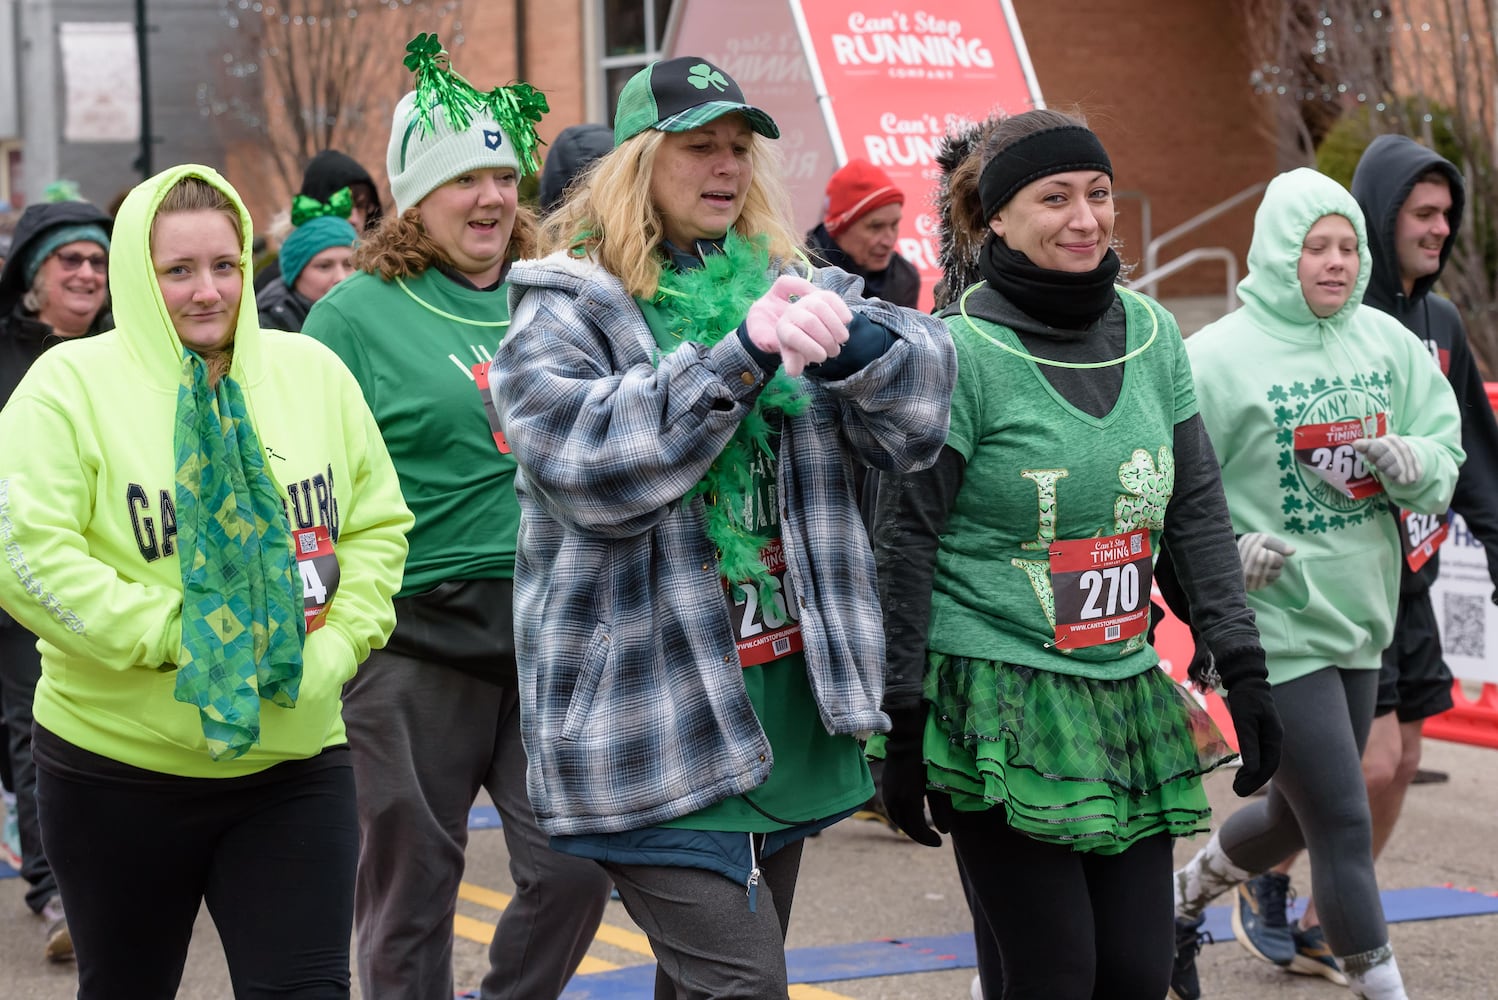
x=307 y=542
x=1464 y=625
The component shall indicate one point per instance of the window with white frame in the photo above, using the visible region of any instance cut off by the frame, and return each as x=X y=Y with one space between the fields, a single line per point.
x=632 y=35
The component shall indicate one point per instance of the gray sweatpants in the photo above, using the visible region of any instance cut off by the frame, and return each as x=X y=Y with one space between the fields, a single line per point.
x=707 y=944
x=425 y=739
x=1317 y=802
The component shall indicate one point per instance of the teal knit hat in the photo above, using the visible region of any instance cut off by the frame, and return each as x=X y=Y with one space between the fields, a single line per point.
x=47 y=244
x=310 y=239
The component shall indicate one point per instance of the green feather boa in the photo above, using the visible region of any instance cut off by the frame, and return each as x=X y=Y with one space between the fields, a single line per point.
x=704 y=305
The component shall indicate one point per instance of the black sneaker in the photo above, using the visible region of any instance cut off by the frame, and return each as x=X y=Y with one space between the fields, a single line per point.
x=1259 y=918
x=1184 y=984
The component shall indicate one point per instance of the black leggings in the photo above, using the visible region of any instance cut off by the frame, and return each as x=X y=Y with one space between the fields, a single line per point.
x=273 y=858
x=1071 y=925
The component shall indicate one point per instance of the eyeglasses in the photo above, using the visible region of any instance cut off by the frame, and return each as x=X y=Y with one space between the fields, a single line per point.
x=73 y=261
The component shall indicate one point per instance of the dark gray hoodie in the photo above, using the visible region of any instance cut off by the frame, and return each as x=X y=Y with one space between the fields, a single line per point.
x=1384 y=178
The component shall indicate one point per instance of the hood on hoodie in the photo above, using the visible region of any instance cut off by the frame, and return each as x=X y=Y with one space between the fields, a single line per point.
x=140 y=314
x=35 y=223
x=1292 y=204
x=1382 y=182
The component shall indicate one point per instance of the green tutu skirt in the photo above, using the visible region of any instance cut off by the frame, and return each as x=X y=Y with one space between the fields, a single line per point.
x=1095 y=765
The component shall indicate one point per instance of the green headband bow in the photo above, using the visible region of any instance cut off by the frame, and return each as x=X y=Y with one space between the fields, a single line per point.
x=516 y=108
x=305 y=208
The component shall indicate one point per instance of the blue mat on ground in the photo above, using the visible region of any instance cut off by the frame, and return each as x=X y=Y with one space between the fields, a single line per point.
x=807 y=965
x=1400 y=906
x=867 y=959
x=483 y=818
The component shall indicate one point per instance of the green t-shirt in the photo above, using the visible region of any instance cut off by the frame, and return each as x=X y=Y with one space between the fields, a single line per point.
x=1040 y=471
x=412 y=349
x=815 y=774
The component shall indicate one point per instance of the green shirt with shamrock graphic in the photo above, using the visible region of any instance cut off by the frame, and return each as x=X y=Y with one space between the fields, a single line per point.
x=1040 y=471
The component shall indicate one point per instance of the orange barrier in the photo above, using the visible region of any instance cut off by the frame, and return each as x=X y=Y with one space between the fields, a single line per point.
x=1173 y=643
x=1468 y=721
x=1473 y=721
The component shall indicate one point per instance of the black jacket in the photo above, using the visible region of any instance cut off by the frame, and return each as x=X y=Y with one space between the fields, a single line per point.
x=281 y=308
x=900 y=283
x=1384 y=178
x=23 y=337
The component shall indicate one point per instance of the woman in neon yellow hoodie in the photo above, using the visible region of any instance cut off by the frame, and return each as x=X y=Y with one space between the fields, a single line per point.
x=1323 y=411
x=204 y=529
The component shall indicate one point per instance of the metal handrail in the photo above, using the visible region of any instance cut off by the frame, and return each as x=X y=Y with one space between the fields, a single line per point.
x=1152 y=249
x=1151 y=278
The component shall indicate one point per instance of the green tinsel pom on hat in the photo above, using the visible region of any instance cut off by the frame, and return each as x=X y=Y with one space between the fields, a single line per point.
x=517 y=109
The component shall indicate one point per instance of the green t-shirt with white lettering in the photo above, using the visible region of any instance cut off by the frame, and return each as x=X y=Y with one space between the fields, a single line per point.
x=412 y=344
x=815 y=774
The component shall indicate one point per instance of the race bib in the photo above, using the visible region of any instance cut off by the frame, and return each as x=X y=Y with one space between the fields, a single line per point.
x=1326 y=449
x=318 y=564
x=1420 y=535
x=1102 y=588
x=764 y=633
x=481 y=379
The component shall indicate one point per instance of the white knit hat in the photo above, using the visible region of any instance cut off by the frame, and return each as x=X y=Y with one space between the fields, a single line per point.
x=421 y=159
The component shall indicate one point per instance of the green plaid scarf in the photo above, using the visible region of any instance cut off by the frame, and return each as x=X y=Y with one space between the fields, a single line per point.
x=242 y=624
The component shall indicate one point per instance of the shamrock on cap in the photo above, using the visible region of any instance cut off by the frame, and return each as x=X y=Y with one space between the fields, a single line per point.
x=702 y=74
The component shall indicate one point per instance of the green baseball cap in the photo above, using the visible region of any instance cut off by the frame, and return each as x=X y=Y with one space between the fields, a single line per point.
x=677 y=95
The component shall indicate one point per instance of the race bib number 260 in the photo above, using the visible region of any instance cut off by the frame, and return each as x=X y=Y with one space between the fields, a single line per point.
x=1326 y=449
x=1102 y=588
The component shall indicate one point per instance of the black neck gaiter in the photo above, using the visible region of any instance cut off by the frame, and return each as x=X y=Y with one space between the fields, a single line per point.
x=1067 y=300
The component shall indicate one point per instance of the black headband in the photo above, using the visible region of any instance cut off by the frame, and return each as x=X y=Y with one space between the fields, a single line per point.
x=1040 y=154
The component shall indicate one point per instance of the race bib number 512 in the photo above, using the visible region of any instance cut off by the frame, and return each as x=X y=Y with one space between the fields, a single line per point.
x=1102 y=588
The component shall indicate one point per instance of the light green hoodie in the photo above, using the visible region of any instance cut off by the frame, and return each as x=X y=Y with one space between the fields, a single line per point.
x=1273 y=366
x=87 y=520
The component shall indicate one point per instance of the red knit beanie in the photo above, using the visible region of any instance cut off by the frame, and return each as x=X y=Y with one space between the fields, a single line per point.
x=855 y=191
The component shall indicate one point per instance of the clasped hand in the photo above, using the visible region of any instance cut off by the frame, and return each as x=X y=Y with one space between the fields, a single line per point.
x=800 y=322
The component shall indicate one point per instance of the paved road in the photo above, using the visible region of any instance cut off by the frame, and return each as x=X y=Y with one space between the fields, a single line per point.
x=861 y=883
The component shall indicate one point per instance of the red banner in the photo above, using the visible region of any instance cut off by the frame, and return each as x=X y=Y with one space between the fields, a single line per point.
x=900 y=76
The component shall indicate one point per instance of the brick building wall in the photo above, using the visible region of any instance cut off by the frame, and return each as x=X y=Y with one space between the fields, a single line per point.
x=1165 y=86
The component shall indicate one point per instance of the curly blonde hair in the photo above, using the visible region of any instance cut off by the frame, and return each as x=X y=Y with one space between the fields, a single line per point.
x=402 y=248
x=611 y=214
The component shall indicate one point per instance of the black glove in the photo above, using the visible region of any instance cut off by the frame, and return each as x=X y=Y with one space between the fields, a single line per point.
x=1259 y=733
x=904 y=779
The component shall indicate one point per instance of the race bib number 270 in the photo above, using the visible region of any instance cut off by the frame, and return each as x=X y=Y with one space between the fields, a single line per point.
x=1102 y=588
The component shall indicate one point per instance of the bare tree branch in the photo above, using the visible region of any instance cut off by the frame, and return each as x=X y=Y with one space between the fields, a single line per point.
x=1428 y=70
x=309 y=75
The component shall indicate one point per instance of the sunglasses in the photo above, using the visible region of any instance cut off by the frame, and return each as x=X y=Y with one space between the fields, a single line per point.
x=73 y=261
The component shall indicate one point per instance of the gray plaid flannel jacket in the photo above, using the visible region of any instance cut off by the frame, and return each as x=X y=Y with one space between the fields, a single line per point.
x=633 y=709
